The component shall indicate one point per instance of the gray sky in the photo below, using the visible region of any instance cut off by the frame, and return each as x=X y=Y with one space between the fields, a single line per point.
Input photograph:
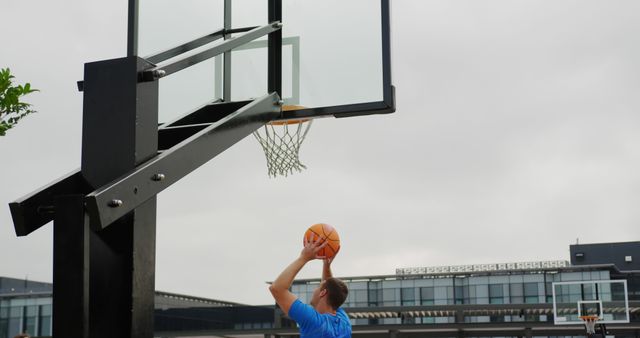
x=517 y=131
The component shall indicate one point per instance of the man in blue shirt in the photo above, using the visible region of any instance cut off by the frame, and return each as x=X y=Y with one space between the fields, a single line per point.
x=323 y=318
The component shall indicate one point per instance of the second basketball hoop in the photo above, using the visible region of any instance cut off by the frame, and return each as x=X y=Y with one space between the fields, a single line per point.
x=281 y=141
x=590 y=323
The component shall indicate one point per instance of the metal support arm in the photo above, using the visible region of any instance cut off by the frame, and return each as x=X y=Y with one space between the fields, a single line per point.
x=199 y=42
x=31 y=212
x=226 y=46
x=123 y=195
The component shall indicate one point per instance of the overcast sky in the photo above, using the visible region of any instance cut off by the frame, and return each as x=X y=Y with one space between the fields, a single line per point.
x=517 y=132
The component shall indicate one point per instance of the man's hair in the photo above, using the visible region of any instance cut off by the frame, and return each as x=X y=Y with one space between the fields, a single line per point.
x=337 y=292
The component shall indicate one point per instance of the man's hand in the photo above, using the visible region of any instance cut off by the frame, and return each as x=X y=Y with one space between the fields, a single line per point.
x=326 y=266
x=327 y=261
x=311 y=248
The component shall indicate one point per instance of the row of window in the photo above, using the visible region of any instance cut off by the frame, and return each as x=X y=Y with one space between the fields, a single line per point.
x=445 y=320
x=504 y=289
x=476 y=280
x=604 y=292
x=443 y=295
x=32 y=319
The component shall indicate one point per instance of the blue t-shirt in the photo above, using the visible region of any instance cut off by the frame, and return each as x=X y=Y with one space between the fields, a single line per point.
x=316 y=325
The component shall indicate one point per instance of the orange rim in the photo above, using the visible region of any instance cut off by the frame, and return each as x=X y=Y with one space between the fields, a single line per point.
x=290 y=107
x=292 y=121
x=288 y=122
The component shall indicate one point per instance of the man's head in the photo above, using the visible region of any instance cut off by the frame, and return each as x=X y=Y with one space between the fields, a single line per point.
x=332 y=290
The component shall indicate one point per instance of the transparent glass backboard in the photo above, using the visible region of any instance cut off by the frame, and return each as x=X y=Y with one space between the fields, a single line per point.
x=340 y=50
x=164 y=24
x=607 y=299
x=335 y=54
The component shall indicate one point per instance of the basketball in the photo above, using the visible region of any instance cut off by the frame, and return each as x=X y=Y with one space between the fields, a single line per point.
x=327 y=233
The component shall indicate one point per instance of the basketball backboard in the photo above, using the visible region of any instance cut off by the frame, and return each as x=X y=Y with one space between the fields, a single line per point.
x=335 y=54
x=607 y=299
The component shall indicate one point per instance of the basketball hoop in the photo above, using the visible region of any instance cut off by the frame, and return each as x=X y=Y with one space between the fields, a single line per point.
x=590 y=323
x=281 y=141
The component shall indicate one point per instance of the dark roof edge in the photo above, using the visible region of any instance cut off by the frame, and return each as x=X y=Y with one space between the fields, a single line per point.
x=609 y=243
x=25 y=279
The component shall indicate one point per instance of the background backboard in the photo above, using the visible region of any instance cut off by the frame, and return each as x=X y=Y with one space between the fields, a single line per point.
x=607 y=299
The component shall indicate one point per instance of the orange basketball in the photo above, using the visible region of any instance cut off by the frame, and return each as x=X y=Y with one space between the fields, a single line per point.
x=327 y=233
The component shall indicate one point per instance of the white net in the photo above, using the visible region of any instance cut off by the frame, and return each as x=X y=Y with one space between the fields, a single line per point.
x=281 y=143
x=590 y=323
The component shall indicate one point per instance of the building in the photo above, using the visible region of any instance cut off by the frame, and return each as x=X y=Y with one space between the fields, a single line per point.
x=625 y=256
x=463 y=300
x=26 y=306
x=485 y=300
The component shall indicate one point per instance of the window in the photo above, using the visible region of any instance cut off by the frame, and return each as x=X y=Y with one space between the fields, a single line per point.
x=31 y=315
x=4 y=327
x=450 y=295
x=617 y=292
x=532 y=318
x=360 y=321
x=496 y=319
x=360 y=297
x=389 y=297
x=482 y=294
x=516 y=291
x=373 y=297
x=531 y=292
x=426 y=296
x=408 y=296
x=408 y=320
x=549 y=292
x=589 y=292
x=443 y=295
x=4 y=321
x=15 y=314
x=458 y=294
x=496 y=294
x=428 y=320
x=45 y=320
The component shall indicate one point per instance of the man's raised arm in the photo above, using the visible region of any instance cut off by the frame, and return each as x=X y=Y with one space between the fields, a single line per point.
x=326 y=268
x=280 y=287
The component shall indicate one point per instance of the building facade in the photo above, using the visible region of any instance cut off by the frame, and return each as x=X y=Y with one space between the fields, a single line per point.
x=488 y=286
x=485 y=300
x=625 y=256
x=25 y=306
x=505 y=299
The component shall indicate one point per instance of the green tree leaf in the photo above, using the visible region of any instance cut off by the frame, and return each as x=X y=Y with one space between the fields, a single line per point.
x=12 y=110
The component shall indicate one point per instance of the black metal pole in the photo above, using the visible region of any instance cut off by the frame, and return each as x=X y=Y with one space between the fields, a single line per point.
x=132 y=28
x=119 y=132
x=70 y=268
x=275 y=49
x=226 y=86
